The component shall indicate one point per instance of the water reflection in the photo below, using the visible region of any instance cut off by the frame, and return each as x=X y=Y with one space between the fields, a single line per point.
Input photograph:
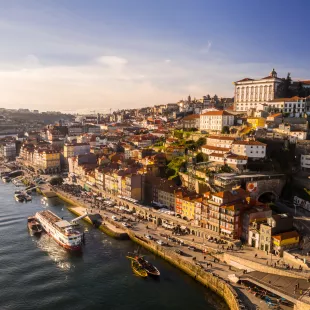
x=61 y=257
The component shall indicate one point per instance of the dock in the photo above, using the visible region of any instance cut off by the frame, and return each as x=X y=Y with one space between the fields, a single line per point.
x=103 y=223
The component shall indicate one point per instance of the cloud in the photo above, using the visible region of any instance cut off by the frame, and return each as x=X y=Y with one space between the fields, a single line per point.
x=167 y=61
x=206 y=49
x=32 y=61
x=112 y=61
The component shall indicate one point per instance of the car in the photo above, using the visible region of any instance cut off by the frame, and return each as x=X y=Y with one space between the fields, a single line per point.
x=114 y=218
x=125 y=224
x=160 y=242
x=149 y=237
x=192 y=248
x=179 y=252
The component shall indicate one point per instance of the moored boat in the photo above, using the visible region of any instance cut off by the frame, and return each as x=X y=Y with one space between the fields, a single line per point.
x=19 y=197
x=60 y=230
x=34 y=225
x=150 y=268
x=138 y=269
x=6 y=179
x=27 y=197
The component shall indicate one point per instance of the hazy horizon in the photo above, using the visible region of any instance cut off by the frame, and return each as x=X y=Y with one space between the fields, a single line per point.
x=79 y=55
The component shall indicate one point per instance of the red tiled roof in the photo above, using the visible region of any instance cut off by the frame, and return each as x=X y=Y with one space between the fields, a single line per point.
x=245 y=80
x=222 y=138
x=292 y=99
x=286 y=235
x=215 y=148
x=251 y=142
x=222 y=112
x=192 y=116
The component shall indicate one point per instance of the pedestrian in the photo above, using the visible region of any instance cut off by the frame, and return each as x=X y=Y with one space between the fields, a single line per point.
x=298 y=285
x=255 y=255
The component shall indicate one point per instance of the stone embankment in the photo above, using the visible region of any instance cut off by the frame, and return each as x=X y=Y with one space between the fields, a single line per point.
x=217 y=285
x=103 y=223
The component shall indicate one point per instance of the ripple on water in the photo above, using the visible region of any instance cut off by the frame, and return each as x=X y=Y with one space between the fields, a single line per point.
x=36 y=273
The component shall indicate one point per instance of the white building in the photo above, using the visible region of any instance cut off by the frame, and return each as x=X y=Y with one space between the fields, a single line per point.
x=295 y=106
x=229 y=159
x=295 y=135
x=209 y=149
x=8 y=150
x=220 y=141
x=249 y=92
x=251 y=149
x=305 y=162
x=216 y=120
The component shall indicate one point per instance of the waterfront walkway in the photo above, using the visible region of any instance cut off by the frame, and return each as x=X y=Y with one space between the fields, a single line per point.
x=207 y=260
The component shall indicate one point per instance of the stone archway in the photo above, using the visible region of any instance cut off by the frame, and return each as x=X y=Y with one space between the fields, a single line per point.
x=267 y=196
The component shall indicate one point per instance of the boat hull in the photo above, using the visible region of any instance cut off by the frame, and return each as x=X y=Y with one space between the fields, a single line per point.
x=56 y=235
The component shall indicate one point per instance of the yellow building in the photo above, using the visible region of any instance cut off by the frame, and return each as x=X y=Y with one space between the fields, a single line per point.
x=286 y=240
x=256 y=122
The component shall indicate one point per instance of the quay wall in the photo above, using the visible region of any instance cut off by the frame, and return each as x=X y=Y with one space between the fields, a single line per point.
x=104 y=228
x=251 y=265
x=214 y=283
x=210 y=281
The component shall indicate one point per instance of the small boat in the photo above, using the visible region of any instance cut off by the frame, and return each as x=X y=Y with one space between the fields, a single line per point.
x=19 y=197
x=150 y=268
x=34 y=225
x=27 y=197
x=6 y=179
x=138 y=269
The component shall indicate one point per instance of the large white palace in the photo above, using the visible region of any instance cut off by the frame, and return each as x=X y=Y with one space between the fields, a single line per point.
x=249 y=92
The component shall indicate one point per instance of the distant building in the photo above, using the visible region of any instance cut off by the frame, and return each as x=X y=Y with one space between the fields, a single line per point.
x=216 y=120
x=305 y=162
x=251 y=149
x=256 y=122
x=249 y=92
x=191 y=121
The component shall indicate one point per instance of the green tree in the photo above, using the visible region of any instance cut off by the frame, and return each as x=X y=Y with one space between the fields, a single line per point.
x=200 y=142
x=200 y=158
x=225 y=169
x=225 y=130
x=56 y=181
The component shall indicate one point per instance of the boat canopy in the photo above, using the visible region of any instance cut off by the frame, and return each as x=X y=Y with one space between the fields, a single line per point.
x=63 y=224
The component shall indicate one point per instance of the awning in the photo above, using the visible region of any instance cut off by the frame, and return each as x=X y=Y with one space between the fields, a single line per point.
x=226 y=231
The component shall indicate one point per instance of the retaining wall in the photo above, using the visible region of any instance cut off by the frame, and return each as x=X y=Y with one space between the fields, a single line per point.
x=214 y=283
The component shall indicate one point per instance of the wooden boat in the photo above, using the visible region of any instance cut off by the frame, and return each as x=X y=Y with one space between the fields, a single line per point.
x=138 y=269
x=34 y=225
x=19 y=197
x=150 y=268
x=6 y=179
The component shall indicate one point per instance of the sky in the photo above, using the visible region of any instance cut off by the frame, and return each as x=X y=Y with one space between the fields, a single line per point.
x=96 y=55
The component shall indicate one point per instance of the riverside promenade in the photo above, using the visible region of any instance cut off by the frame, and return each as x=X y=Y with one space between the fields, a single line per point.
x=210 y=261
x=207 y=262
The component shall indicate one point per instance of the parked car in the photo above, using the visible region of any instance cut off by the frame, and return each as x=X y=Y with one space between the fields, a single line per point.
x=160 y=242
x=192 y=248
x=179 y=252
x=149 y=237
x=114 y=218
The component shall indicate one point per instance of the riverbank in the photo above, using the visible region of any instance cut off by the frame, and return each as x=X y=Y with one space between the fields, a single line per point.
x=217 y=285
x=207 y=279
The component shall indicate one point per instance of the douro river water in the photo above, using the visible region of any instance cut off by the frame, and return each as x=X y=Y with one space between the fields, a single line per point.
x=36 y=273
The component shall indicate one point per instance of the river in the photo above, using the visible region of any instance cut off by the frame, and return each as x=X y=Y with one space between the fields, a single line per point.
x=36 y=273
